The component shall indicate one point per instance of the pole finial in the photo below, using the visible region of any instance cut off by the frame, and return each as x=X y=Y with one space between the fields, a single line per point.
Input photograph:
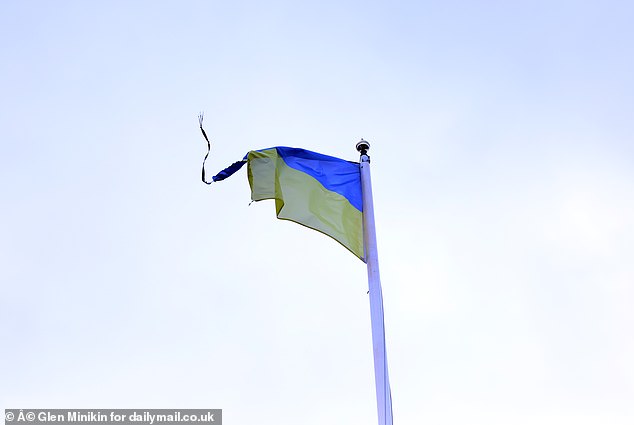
x=363 y=146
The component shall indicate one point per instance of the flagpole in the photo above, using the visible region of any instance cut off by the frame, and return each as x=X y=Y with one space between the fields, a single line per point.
x=381 y=378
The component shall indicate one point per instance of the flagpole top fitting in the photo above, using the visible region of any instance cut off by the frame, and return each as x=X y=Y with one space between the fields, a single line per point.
x=363 y=147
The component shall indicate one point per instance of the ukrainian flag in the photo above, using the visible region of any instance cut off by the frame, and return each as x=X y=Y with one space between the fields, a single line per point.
x=315 y=190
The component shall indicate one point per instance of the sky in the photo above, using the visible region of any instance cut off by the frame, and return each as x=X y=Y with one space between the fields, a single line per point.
x=502 y=149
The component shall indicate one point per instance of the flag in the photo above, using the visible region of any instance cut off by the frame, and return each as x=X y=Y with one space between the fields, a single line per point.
x=315 y=190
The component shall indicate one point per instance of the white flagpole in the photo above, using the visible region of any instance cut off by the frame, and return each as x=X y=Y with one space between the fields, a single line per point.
x=382 y=381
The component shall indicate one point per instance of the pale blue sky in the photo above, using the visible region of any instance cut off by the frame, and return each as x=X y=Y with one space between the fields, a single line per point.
x=503 y=171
